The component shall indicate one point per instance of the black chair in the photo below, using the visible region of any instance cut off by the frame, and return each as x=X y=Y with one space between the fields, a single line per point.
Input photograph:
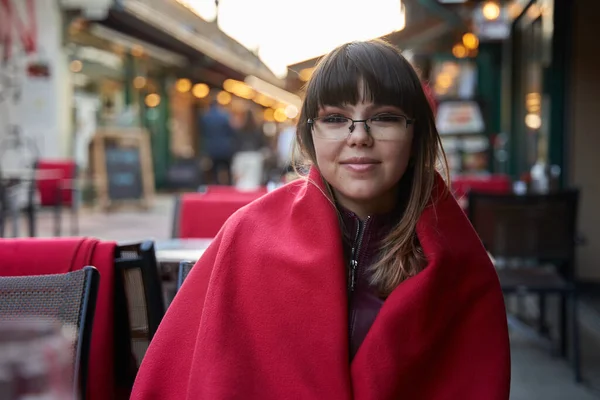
x=67 y=298
x=534 y=235
x=184 y=269
x=138 y=286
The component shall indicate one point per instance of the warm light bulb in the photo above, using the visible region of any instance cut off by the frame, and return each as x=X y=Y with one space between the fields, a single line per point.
x=152 y=100
x=76 y=66
x=268 y=115
x=139 y=82
x=279 y=115
x=470 y=41
x=200 y=90
x=183 y=85
x=491 y=10
x=459 y=51
x=223 y=98
x=291 y=111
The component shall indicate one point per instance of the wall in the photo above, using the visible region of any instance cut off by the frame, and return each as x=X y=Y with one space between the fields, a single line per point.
x=34 y=78
x=583 y=112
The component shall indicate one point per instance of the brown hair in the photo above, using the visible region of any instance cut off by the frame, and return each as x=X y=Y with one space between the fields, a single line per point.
x=388 y=79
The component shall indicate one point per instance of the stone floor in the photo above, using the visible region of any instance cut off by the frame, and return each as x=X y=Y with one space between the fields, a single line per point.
x=536 y=374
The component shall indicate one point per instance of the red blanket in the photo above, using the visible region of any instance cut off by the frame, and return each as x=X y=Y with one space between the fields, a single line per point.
x=20 y=257
x=263 y=314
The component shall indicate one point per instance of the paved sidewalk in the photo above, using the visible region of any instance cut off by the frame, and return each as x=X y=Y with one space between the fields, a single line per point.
x=536 y=374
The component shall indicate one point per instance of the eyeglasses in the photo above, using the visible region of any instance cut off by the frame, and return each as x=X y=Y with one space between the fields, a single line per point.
x=380 y=127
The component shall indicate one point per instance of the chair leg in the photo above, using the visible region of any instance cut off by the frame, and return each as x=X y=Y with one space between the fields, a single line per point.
x=57 y=221
x=31 y=210
x=74 y=221
x=14 y=211
x=542 y=326
x=563 y=325
x=1 y=220
x=31 y=220
x=575 y=338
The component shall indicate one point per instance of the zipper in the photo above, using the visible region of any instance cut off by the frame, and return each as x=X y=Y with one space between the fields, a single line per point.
x=353 y=272
x=360 y=230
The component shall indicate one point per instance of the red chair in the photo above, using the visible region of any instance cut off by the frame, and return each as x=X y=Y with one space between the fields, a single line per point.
x=32 y=256
x=492 y=184
x=55 y=181
x=129 y=306
x=216 y=189
x=201 y=215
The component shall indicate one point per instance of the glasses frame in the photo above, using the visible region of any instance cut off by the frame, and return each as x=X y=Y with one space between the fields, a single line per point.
x=351 y=128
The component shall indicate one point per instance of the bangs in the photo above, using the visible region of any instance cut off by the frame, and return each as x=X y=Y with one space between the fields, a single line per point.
x=386 y=77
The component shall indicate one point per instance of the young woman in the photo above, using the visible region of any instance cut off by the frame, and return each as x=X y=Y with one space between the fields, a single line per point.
x=362 y=281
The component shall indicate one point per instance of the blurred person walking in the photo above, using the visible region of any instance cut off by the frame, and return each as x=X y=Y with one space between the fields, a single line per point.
x=248 y=162
x=217 y=142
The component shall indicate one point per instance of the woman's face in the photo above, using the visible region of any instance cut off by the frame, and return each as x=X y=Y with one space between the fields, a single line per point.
x=364 y=170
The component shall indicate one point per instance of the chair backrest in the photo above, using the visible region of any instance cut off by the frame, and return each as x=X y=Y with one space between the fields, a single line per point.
x=496 y=183
x=138 y=280
x=184 y=269
x=68 y=298
x=535 y=226
x=201 y=215
x=50 y=189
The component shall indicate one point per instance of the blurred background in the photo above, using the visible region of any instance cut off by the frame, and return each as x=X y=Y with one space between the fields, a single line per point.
x=114 y=113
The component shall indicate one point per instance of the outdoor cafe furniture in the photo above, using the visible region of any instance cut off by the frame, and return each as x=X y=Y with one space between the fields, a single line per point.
x=533 y=239
x=58 y=192
x=34 y=257
x=170 y=253
x=129 y=306
x=140 y=289
x=184 y=270
x=54 y=181
x=462 y=185
x=68 y=299
x=201 y=215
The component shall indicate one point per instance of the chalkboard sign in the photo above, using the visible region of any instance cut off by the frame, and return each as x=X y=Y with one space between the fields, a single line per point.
x=124 y=172
x=123 y=166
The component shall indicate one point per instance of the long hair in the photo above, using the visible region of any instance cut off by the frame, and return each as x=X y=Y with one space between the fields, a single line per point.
x=388 y=79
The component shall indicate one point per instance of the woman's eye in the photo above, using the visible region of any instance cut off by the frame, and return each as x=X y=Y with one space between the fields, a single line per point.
x=334 y=119
x=387 y=118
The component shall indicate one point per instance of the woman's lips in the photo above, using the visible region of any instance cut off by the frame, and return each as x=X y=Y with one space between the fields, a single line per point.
x=360 y=167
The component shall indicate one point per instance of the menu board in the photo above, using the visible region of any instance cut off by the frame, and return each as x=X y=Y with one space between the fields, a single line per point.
x=123 y=166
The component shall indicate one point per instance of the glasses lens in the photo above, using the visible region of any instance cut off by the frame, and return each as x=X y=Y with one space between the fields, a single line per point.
x=388 y=126
x=332 y=127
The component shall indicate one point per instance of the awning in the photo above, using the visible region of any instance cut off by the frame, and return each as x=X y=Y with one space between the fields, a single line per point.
x=272 y=91
x=202 y=44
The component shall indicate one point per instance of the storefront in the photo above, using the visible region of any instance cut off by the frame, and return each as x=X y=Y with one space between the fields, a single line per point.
x=535 y=64
x=119 y=81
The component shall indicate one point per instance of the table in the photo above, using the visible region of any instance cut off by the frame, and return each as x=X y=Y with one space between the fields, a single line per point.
x=169 y=253
x=177 y=250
